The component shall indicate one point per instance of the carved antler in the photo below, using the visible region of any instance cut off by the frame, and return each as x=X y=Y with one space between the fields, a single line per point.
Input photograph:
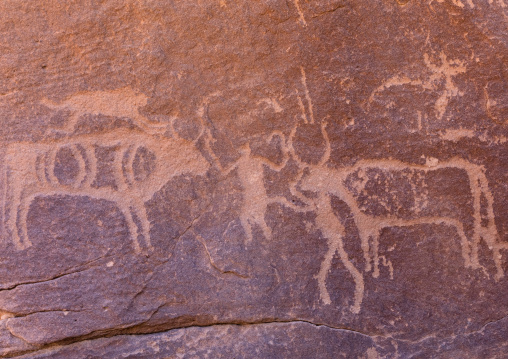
x=292 y=151
x=205 y=132
x=328 y=149
x=302 y=166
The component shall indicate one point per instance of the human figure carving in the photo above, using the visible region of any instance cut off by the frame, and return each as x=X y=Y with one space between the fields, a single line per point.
x=250 y=171
x=30 y=173
x=255 y=199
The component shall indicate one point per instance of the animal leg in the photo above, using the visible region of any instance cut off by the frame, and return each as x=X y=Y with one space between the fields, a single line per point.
x=12 y=221
x=267 y=231
x=22 y=221
x=139 y=209
x=131 y=225
x=333 y=230
x=246 y=227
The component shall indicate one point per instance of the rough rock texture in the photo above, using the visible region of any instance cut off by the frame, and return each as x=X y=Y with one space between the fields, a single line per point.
x=251 y=179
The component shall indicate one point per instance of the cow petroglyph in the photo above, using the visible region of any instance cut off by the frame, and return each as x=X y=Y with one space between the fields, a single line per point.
x=29 y=172
x=329 y=225
x=328 y=181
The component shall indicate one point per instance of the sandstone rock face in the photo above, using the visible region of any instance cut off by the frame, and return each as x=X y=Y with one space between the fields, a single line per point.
x=254 y=179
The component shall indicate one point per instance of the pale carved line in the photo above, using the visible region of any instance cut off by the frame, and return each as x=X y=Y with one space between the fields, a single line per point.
x=124 y=201
x=4 y=196
x=50 y=166
x=82 y=166
x=307 y=95
x=300 y=13
x=302 y=108
x=130 y=162
x=447 y=70
x=205 y=133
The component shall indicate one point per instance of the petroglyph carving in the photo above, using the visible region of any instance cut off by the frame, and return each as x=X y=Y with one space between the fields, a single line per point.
x=328 y=181
x=496 y=101
x=334 y=232
x=446 y=70
x=471 y=4
x=142 y=164
x=250 y=170
x=326 y=221
x=123 y=103
x=310 y=117
x=300 y=13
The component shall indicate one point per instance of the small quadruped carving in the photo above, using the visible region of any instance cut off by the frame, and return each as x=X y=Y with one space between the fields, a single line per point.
x=29 y=168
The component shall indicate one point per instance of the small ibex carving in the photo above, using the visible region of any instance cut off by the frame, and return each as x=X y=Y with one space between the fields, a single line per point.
x=29 y=172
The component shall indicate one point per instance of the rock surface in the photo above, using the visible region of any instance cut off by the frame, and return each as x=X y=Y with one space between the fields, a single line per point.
x=254 y=179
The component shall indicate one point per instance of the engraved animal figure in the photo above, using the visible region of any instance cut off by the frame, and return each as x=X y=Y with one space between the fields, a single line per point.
x=327 y=181
x=30 y=173
x=433 y=81
x=329 y=225
x=122 y=103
